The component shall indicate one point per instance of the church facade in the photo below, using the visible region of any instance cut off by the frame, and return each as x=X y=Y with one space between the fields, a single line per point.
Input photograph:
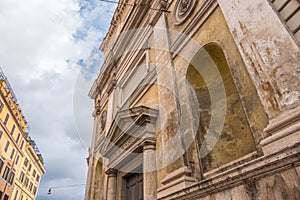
x=198 y=99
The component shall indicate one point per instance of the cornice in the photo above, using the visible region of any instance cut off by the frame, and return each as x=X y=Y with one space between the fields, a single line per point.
x=36 y=159
x=93 y=91
x=116 y=19
x=138 y=120
x=137 y=18
x=254 y=169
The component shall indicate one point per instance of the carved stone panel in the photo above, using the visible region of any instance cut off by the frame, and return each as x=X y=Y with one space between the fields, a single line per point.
x=182 y=10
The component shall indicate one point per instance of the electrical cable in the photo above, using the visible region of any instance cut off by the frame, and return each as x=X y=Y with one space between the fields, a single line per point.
x=129 y=4
x=63 y=186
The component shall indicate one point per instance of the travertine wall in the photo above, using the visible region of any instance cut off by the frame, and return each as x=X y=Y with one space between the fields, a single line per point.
x=257 y=154
x=270 y=53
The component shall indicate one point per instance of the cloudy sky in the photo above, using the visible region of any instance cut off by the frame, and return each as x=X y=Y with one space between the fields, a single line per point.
x=45 y=47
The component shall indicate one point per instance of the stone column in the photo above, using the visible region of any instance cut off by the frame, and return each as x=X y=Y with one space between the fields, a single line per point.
x=112 y=184
x=149 y=169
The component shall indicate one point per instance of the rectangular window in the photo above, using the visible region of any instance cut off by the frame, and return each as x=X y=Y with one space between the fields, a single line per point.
x=11 y=178
x=13 y=129
x=33 y=173
x=6 y=146
x=34 y=190
x=6 y=197
x=21 y=197
x=1 y=133
x=17 y=159
x=29 y=169
x=22 y=177
x=26 y=162
x=1 y=165
x=18 y=138
x=37 y=178
x=289 y=12
x=12 y=154
x=22 y=144
x=6 y=119
x=5 y=174
x=30 y=186
x=1 y=106
x=16 y=195
x=26 y=182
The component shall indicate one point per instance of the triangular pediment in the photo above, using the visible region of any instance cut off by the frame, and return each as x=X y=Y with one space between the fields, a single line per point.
x=127 y=131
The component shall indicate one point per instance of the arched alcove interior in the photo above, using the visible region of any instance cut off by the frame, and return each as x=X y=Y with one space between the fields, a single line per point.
x=98 y=180
x=236 y=139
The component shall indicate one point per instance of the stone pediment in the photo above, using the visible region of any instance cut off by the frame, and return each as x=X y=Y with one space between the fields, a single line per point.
x=128 y=131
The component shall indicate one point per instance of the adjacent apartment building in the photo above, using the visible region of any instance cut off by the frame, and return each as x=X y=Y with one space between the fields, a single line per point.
x=21 y=163
x=198 y=99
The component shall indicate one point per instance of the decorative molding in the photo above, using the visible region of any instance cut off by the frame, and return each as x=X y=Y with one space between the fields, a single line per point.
x=146 y=83
x=103 y=119
x=175 y=181
x=258 y=168
x=149 y=143
x=111 y=172
x=183 y=9
x=97 y=108
x=284 y=131
x=204 y=12
x=129 y=130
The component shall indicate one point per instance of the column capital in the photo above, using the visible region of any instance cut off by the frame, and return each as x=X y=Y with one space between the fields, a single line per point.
x=149 y=144
x=111 y=172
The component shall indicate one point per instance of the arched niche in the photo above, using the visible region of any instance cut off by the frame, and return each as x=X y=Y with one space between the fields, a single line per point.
x=236 y=139
x=98 y=187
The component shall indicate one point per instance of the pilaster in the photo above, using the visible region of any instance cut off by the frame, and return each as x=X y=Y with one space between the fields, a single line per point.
x=172 y=150
x=149 y=169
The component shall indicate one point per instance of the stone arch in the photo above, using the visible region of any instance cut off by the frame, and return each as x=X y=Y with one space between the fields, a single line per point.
x=236 y=139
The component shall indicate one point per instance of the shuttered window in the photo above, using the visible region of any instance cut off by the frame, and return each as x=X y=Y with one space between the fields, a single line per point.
x=289 y=11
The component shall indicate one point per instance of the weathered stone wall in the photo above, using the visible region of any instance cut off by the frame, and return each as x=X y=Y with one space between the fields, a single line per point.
x=283 y=185
x=269 y=177
x=270 y=53
x=259 y=65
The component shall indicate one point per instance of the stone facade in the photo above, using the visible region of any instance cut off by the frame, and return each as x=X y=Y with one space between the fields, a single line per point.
x=198 y=100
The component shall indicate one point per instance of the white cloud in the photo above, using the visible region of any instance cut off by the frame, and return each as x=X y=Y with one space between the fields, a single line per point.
x=39 y=54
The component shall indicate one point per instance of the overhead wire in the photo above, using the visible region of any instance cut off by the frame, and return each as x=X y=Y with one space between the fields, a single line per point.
x=134 y=4
x=63 y=186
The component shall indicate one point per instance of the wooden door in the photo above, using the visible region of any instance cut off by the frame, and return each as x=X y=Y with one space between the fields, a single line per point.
x=134 y=187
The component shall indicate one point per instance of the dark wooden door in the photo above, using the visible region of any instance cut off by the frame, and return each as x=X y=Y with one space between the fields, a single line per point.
x=134 y=187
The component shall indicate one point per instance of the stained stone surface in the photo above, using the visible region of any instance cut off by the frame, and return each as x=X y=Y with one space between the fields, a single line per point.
x=257 y=56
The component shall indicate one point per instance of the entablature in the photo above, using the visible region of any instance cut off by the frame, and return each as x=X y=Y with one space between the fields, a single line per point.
x=130 y=128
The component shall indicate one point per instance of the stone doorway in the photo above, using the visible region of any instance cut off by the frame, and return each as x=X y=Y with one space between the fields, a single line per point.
x=134 y=187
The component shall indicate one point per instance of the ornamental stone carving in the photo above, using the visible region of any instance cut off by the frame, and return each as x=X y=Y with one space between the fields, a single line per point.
x=182 y=10
x=103 y=119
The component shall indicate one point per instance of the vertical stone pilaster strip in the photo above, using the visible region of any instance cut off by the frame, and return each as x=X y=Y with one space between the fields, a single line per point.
x=149 y=170
x=167 y=96
x=91 y=158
